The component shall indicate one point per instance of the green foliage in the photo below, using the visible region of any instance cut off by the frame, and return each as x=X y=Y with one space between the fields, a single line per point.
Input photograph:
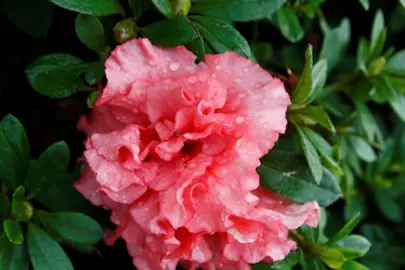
x=345 y=139
x=49 y=184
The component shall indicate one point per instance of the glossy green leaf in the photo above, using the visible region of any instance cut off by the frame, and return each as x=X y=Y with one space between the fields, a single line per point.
x=5 y=209
x=50 y=184
x=164 y=6
x=197 y=46
x=317 y=115
x=72 y=226
x=57 y=156
x=363 y=53
x=335 y=43
x=45 y=253
x=95 y=72
x=222 y=36
x=304 y=87
x=237 y=10
x=15 y=152
x=324 y=149
x=397 y=62
x=289 y=24
x=365 y=4
x=346 y=230
x=6 y=252
x=13 y=231
x=332 y=257
x=353 y=246
x=289 y=175
x=402 y=2
x=379 y=46
x=63 y=60
x=311 y=155
x=22 y=209
x=368 y=122
x=352 y=265
x=32 y=17
x=362 y=148
x=377 y=28
x=170 y=32
x=55 y=82
x=90 y=7
x=398 y=105
x=319 y=76
x=90 y=32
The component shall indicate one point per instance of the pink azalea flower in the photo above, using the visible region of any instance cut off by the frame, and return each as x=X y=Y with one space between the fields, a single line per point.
x=172 y=151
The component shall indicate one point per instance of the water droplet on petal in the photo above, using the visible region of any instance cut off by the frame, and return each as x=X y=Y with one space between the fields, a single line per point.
x=217 y=67
x=245 y=70
x=192 y=79
x=240 y=119
x=174 y=66
x=237 y=80
x=262 y=120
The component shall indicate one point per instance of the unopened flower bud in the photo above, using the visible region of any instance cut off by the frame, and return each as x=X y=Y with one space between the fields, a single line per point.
x=124 y=30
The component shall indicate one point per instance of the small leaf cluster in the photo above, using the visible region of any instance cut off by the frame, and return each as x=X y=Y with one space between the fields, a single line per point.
x=38 y=205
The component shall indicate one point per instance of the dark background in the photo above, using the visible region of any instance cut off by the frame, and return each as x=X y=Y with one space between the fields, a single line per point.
x=49 y=120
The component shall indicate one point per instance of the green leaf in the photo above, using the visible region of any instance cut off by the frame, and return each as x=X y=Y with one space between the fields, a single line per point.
x=363 y=53
x=365 y=4
x=49 y=182
x=352 y=265
x=19 y=259
x=319 y=76
x=164 y=6
x=15 y=152
x=45 y=253
x=95 y=72
x=316 y=115
x=12 y=257
x=304 y=87
x=170 y=32
x=222 y=36
x=398 y=105
x=397 y=62
x=335 y=43
x=5 y=206
x=288 y=174
x=90 y=7
x=22 y=209
x=324 y=149
x=32 y=17
x=13 y=231
x=72 y=226
x=63 y=60
x=197 y=46
x=368 y=122
x=332 y=257
x=90 y=32
x=55 y=82
x=311 y=155
x=57 y=156
x=379 y=46
x=237 y=10
x=6 y=252
x=289 y=24
x=378 y=26
x=346 y=230
x=362 y=148
x=388 y=206
x=402 y=2
x=353 y=246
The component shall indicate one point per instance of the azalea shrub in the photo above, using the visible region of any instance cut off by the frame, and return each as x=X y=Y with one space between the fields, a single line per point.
x=179 y=134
